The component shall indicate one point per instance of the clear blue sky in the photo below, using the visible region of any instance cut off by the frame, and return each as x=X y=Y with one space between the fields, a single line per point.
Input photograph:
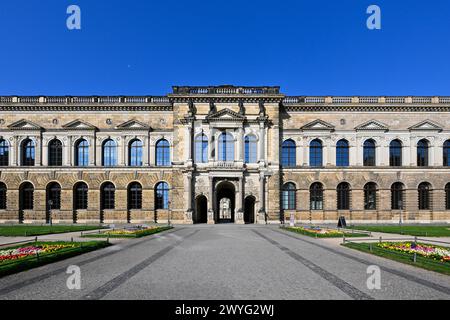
x=139 y=47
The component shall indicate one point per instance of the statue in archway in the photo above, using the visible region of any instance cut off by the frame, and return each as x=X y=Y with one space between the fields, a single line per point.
x=225 y=209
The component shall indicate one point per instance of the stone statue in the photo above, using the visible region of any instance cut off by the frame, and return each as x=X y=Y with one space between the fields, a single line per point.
x=241 y=108
x=225 y=209
x=212 y=108
x=192 y=109
x=262 y=109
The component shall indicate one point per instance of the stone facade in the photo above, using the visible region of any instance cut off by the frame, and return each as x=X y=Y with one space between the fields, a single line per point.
x=256 y=121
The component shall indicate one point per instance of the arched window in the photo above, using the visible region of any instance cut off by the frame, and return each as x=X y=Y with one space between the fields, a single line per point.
x=395 y=153
x=226 y=147
x=447 y=153
x=424 y=196
x=28 y=152
x=55 y=153
x=26 y=196
x=135 y=196
x=288 y=157
x=422 y=153
x=109 y=153
x=288 y=196
x=447 y=196
x=343 y=196
x=54 y=195
x=4 y=153
x=163 y=153
x=135 y=153
x=342 y=153
x=82 y=153
x=315 y=153
x=370 y=196
x=316 y=196
x=162 y=196
x=107 y=194
x=3 y=191
x=201 y=148
x=250 y=149
x=80 y=196
x=369 y=153
x=397 y=190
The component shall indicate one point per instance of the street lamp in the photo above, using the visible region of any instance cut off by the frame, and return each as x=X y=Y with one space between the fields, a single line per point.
x=400 y=221
x=168 y=215
x=50 y=203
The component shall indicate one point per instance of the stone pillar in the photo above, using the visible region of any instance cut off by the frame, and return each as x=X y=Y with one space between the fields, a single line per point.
x=262 y=208
x=189 y=139
x=98 y=153
x=438 y=153
x=13 y=152
x=67 y=159
x=239 y=215
x=39 y=150
x=413 y=152
x=121 y=150
x=212 y=149
x=189 y=197
x=145 y=151
x=262 y=142
x=240 y=145
x=305 y=152
x=211 y=201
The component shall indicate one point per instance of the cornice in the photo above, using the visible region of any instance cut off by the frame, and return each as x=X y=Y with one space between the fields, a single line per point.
x=366 y=108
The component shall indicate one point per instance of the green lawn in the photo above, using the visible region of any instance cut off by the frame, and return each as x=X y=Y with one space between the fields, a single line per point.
x=423 y=231
x=407 y=258
x=30 y=230
x=322 y=235
x=13 y=266
x=142 y=233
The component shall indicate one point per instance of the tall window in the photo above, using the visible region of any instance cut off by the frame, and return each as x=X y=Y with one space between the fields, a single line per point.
x=342 y=153
x=26 y=196
x=4 y=153
x=250 y=149
x=162 y=196
x=3 y=191
x=447 y=153
x=201 y=148
x=82 y=153
x=226 y=147
x=55 y=153
x=422 y=153
x=135 y=196
x=369 y=153
x=343 y=196
x=109 y=153
x=54 y=195
x=28 y=152
x=316 y=196
x=447 y=196
x=395 y=153
x=424 y=196
x=397 y=196
x=288 y=195
x=288 y=157
x=370 y=196
x=80 y=195
x=107 y=196
x=315 y=153
x=163 y=153
x=135 y=153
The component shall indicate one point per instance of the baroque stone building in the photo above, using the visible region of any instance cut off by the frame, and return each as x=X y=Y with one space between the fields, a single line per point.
x=224 y=154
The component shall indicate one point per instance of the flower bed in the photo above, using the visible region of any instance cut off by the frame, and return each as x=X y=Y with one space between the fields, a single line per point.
x=31 y=250
x=131 y=232
x=319 y=232
x=425 y=250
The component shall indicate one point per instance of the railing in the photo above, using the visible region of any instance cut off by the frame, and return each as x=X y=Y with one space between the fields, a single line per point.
x=225 y=90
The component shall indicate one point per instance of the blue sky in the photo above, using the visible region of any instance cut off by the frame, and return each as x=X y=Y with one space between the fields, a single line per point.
x=138 y=47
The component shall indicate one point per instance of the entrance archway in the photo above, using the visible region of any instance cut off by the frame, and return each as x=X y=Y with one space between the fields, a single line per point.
x=201 y=210
x=249 y=209
x=225 y=190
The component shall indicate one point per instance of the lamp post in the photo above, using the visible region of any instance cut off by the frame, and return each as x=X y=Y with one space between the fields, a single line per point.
x=50 y=203
x=168 y=214
x=400 y=221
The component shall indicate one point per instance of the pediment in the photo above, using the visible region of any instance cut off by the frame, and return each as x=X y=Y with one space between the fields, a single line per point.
x=318 y=125
x=133 y=125
x=372 y=125
x=225 y=115
x=24 y=125
x=79 y=125
x=426 y=125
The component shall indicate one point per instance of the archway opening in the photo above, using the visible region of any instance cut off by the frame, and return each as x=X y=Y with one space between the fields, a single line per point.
x=249 y=209
x=201 y=210
x=225 y=202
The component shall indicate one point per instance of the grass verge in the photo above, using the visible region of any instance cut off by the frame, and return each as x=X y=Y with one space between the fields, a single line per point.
x=407 y=258
x=422 y=231
x=334 y=234
x=137 y=234
x=8 y=267
x=26 y=230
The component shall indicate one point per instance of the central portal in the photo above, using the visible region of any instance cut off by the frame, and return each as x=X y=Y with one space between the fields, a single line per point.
x=225 y=202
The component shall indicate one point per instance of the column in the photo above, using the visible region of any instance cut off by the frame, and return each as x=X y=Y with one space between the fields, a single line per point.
x=212 y=149
x=67 y=159
x=93 y=154
x=39 y=150
x=262 y=209
x=240 y=143
x=145 y=151
x=413 y=152
x=121 y=150
x=189 y=197
x=305 y=152
x=262 y=141
x=239 y=217
x=211 y=201
x=188 y=138
x=13 y=152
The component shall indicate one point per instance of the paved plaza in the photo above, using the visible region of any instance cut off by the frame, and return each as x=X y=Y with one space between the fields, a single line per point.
x=226 y=262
